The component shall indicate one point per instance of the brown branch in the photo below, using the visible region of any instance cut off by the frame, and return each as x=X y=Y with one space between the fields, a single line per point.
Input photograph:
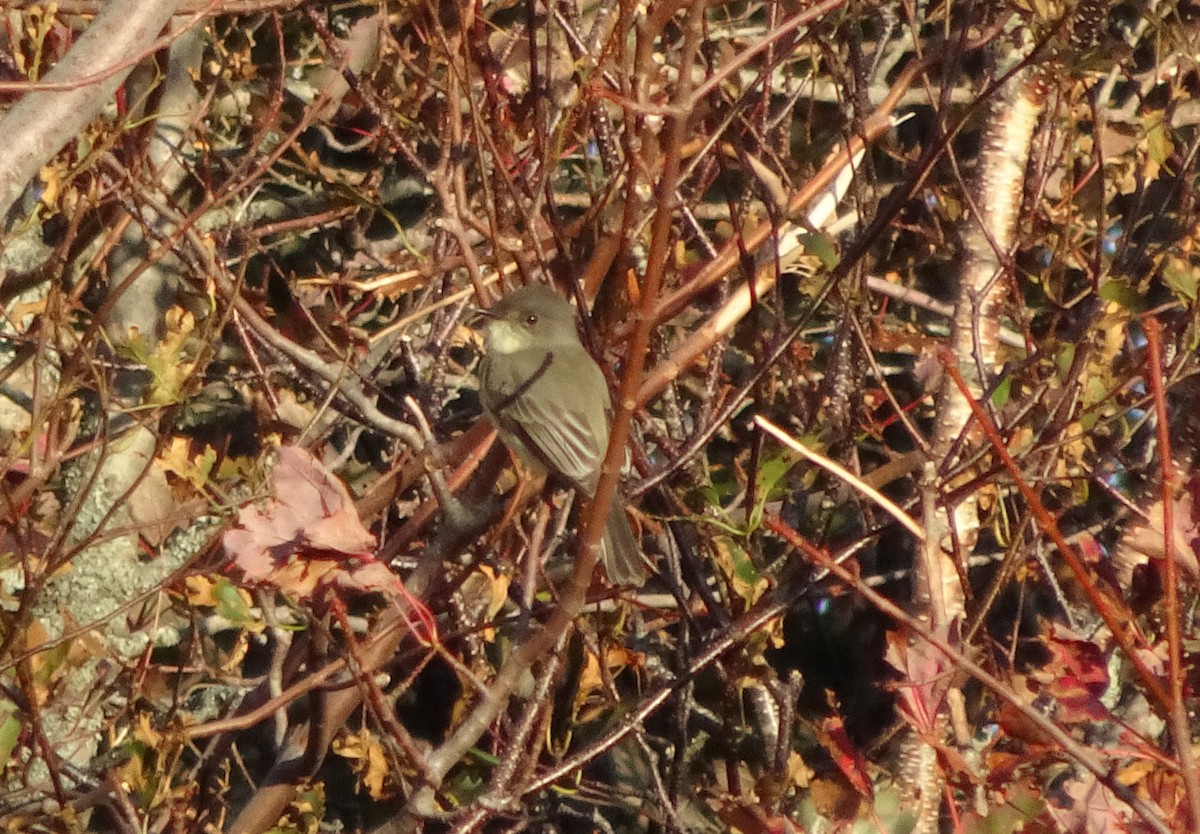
x=1180 y=728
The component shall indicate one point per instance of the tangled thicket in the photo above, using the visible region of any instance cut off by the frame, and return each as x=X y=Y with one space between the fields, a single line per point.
x=899 y=305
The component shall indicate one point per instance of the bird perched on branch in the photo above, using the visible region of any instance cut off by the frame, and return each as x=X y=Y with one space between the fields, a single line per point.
x=549 y=402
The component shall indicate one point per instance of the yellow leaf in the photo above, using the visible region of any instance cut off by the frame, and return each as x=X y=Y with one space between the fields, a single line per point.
x=51 y=179
x=145 y=732
x=590 y=679
x=799 y=773
x=370 y=762
x=176 y=460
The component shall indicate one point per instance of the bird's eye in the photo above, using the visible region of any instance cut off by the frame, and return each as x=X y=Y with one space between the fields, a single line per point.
x=531 y=319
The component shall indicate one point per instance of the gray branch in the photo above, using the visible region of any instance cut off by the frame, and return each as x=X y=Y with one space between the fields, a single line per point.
x=41 y=123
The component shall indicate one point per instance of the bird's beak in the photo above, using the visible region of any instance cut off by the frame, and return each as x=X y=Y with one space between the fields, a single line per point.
x=478 y=316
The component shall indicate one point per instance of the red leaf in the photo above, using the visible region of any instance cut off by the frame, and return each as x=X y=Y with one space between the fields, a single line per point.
x=927 y=676
x=849 y=759
x=1076 y=677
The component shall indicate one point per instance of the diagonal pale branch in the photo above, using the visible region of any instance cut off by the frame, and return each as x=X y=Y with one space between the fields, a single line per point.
x=41 y=123
x=848 y=477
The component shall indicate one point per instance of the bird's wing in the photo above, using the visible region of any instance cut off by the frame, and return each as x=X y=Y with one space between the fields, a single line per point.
x=569 y=436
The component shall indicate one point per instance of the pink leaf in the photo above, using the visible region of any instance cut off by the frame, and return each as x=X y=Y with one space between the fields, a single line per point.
x=305 y=531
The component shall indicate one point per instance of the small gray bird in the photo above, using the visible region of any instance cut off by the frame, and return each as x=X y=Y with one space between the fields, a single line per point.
x=549 y=402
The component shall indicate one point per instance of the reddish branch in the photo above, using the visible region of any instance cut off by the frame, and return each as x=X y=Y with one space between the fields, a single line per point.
x=1177 y=709
x=1117 y=622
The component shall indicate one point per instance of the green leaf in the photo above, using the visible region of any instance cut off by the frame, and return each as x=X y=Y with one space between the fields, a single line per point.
x=10 y=730
x=823 y=247
x=1064 y=358
x=1182 y=281
x=771 y=473
x=1122 y=292
x=1019 y=808
x=1002 y=393
x=1158 y=142
x=231 y=604
x=743 y=567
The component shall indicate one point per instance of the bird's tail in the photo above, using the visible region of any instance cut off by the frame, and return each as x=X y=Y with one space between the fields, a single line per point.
x=619 y=549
